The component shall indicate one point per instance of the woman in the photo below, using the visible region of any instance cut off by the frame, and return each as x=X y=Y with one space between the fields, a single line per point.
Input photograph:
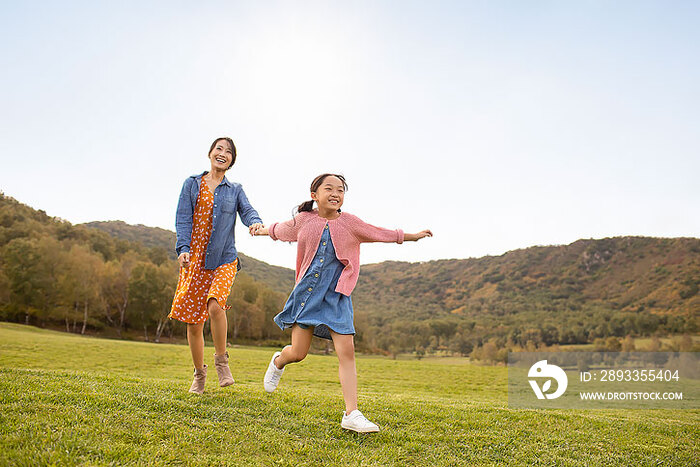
x=205 y=222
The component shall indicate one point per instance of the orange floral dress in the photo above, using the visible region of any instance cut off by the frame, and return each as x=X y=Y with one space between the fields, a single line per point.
x=196 y=285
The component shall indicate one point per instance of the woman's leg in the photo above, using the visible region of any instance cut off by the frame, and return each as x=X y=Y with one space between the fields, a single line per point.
x=195 y=337
x=345 y=349
x=301 y=341
x=219 y=325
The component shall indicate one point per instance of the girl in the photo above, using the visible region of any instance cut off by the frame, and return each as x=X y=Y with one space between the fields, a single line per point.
x=205 y=222
x=328 y=265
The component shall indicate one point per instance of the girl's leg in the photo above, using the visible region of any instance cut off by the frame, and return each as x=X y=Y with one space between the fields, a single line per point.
x=219 y=325
x=345 y=349
x=301 y=342
x=195 y=337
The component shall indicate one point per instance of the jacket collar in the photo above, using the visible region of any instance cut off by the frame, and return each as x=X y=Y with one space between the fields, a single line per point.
x=199 y=178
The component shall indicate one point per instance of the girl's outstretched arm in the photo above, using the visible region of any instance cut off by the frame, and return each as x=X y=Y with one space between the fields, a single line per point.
x=408 y=237
x=285 y=231
x=367 y=233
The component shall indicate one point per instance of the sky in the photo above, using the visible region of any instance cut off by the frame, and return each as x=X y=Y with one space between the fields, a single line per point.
x=496 y=124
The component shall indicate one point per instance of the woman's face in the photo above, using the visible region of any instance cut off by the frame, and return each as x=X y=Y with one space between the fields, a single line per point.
x=330 y=194
x=221 y=156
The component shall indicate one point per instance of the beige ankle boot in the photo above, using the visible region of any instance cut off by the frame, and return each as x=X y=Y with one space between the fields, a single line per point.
x=200 y=376
x=222 y=370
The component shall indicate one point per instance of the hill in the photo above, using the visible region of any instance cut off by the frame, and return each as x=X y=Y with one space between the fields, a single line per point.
x=277 y=278
x=110 y=277
x=147 y=236
x=568 y=294
x=86 y=280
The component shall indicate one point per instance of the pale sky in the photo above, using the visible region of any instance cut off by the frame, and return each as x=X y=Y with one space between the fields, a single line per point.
x=497 y=124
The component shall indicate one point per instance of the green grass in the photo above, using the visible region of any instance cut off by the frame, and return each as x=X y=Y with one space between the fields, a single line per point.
x=67 y=399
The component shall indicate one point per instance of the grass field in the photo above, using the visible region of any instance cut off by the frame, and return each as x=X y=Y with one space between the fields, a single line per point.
x=67 y=399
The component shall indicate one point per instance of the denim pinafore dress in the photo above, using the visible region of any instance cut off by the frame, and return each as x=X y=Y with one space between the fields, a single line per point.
x=314 y=301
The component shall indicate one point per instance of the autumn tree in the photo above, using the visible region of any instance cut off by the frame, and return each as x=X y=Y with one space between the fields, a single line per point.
x=151 y=290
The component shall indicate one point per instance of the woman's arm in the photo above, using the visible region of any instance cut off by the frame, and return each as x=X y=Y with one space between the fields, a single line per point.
x=248 y=214
x=183 y=218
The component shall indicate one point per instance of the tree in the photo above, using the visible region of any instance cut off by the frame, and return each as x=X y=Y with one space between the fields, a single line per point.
x=4 y=288
x=80 y=280
x=151 y=290
x=654 y=345
x=31 y=267
x=628 y=344
x=442 y=328
x=270 y=303
x=247 y=319
x=115 y=287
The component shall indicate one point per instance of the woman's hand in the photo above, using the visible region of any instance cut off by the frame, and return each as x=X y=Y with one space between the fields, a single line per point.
x=254 y=228
x=184 y=260
x=417 y=236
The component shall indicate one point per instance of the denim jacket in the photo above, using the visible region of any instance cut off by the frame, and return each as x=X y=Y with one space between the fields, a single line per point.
x=229 y=199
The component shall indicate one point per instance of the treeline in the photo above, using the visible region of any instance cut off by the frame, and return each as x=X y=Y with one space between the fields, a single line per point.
x=542 y=296
x=116 y=279
x=54 y=274
x=455 y=336
x=537 y=297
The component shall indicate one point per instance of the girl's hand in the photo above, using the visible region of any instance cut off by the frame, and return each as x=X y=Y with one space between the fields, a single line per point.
x=417 y=236
x=254 y=228
x=262 y=231
x=184 y=260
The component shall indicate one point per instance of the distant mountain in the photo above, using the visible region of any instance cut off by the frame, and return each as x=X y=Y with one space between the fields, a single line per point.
x=114 y=279
x=553 y=294
x=151 y=237
x=577 y=292
x=591 y=291
x=277 y=278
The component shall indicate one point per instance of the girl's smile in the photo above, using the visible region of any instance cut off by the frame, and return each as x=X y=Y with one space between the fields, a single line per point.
x=329 y=196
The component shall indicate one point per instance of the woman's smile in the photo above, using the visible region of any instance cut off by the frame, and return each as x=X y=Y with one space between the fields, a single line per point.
x=221 y=155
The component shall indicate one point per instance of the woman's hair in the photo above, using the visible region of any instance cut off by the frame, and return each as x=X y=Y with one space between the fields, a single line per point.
x=307 y=206
x=233 y=148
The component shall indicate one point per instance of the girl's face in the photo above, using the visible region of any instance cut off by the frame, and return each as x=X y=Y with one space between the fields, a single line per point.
x=221 y=156
x=330 y=194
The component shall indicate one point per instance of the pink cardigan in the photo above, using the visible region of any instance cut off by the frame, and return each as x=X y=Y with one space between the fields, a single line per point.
x=347 y=232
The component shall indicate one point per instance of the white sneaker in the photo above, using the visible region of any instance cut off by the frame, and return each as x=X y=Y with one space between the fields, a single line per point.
x=272 y=375
x=355 y=421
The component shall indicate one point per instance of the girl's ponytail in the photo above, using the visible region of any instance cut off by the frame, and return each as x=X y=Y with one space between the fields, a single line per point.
x=306 y=206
